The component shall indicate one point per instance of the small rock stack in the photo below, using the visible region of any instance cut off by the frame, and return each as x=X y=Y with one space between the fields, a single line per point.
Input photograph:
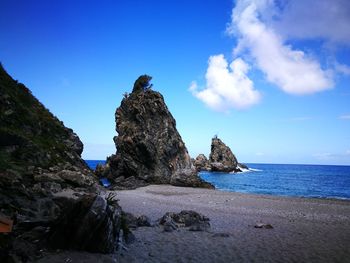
x=221 y=159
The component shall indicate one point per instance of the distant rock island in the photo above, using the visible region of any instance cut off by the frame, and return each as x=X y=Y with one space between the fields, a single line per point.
x=149 y=147
x=221 y=159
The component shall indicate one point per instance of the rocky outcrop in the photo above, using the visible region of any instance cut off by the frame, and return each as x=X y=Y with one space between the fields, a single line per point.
x=36 y=146
x=29 y=134
x=201 y=163
x=134 y=222
x=189 y=219
x=36 y=149
x=91 y=223
x=149 y=147
x=221 y=159
x=39 y=156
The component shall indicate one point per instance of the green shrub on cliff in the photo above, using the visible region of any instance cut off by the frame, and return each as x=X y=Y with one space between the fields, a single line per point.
x=30 y=135
x=142 y=83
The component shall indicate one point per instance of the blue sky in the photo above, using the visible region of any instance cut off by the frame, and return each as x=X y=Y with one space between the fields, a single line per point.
x=271 y=78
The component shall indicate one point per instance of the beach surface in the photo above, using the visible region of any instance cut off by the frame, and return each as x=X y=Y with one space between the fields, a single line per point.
x=304 y=230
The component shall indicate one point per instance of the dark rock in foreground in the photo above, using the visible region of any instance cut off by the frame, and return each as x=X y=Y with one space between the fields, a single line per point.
x=39 y=156
x=262 y=225
x=135 y=222
x=189 y=219
x=149 y=147
x=91 y=223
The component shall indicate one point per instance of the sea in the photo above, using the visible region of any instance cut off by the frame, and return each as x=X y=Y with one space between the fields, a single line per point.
x=297 y=180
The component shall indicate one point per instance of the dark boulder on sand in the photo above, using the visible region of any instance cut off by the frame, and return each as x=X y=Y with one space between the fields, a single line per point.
x=186 y=218
x=91 y=223
x=149 y=147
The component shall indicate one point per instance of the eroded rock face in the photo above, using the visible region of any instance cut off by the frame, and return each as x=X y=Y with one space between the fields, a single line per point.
x=30 y=135
x=90 y=223
x=221 y=157
x=202 y=163
x=39 y=156
x=187 y=218
x=35 y=145
x=149 y=147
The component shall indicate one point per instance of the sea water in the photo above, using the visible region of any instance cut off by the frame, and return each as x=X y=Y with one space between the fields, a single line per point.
x=321 y=181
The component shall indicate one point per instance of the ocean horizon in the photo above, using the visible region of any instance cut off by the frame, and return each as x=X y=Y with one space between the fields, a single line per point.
x=294 y=180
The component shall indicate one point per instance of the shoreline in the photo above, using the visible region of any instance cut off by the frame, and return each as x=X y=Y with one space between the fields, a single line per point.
x=331 y=198
x=325 y=188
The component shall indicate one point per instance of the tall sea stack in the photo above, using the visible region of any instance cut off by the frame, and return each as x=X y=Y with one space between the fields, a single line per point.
x=149 y=147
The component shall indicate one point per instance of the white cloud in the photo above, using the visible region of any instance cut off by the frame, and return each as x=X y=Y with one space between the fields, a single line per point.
x=227 y=86
x=263 y=30
x=325 y=19
x=345 y=117
x=290 y=69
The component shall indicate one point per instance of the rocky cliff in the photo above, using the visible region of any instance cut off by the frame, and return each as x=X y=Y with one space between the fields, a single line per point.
x=39 y=156
x=36 y=149
x=31 y=136
x=149 y=147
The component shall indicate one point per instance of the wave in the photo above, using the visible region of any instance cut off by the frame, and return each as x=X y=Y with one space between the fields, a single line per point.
x=255 y=170
x=244 y=170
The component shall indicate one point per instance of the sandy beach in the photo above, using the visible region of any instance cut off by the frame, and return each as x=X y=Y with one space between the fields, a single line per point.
x=304 y=230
